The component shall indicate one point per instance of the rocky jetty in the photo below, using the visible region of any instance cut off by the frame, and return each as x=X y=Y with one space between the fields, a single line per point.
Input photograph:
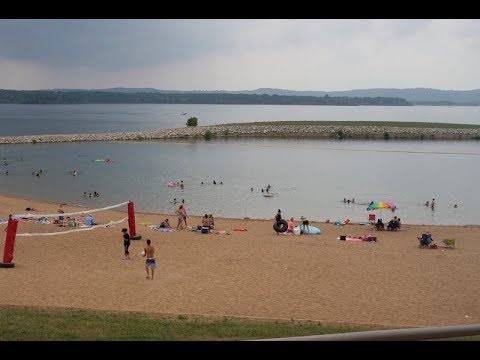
x=266 y=131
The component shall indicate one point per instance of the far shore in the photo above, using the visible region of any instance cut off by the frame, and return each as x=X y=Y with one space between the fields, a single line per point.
x=253 y=273
x=297 y=130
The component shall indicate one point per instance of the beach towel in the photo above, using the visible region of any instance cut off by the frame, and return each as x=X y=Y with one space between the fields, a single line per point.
x=158 y=228
x=367 y=238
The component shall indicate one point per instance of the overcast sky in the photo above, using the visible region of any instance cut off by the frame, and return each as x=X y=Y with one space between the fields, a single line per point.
x=240 y=54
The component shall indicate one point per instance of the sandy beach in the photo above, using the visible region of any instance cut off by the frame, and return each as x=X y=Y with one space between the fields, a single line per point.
x=248 y=274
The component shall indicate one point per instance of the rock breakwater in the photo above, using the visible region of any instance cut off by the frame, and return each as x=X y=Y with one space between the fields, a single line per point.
x=272 y=131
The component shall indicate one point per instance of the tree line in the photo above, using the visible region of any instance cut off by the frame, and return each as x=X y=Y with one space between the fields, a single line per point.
x=104 y=97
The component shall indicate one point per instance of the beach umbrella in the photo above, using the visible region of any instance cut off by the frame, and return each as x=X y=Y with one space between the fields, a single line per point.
x=381 y=205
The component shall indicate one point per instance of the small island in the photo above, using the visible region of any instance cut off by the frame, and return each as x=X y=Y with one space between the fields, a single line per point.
x=361 y=130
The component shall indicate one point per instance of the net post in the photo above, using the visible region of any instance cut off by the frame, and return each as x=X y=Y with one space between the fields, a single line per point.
x=9 y=243
x=131 y=218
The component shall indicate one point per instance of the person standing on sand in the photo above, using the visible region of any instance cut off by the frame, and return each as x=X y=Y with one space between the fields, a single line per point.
x=278 y=217
x=305 y=223
x=60 y=211
x=184 y=211
x=150 y=261
x=181 y=217
x=126 y=243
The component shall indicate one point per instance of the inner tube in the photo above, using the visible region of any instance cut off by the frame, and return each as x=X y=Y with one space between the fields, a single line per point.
x=280 y=226
x=171 y=185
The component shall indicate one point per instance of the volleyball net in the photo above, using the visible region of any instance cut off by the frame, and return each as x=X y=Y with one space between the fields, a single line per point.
x=11 y=230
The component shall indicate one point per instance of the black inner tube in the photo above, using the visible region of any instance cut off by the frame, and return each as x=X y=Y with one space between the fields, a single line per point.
x=280 y=226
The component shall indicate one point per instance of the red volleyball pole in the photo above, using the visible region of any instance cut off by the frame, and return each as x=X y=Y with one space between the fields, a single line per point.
x=131 y=218
x=9 y=242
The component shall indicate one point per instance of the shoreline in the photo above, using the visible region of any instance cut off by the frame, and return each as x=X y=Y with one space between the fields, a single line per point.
x=248 y=274
x=78 y=207
x=336 y=131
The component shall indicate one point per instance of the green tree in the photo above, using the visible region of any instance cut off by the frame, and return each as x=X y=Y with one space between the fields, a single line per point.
x=207 y=135
x=193 y=121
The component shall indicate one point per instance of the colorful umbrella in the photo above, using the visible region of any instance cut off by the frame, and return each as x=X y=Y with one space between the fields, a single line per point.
x=381 y=205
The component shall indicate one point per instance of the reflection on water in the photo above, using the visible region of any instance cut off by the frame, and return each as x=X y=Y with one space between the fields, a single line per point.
x=30 y=119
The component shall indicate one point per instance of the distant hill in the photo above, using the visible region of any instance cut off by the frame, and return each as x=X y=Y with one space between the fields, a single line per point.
x=71 y=96
x=417 y=95
x=420 y=96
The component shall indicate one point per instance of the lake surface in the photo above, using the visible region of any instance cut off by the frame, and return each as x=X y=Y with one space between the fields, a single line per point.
x=308 y=177
x=16 y=119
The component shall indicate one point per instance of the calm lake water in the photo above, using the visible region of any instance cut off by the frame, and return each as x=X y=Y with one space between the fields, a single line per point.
x=308 y=177
x=18 y=119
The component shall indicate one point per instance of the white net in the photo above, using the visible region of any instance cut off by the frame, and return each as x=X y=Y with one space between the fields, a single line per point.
x=38 y=216
x=29 y=216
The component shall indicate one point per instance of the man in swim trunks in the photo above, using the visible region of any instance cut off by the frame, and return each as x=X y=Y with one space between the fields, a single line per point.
x=150 y=262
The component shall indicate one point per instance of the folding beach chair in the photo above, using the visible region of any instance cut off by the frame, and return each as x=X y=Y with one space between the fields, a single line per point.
x=449 y=243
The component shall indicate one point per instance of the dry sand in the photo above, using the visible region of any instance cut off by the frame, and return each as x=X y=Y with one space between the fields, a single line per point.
x=251 y=274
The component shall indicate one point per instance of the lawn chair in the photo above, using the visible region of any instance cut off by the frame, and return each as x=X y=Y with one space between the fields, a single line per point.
x=379 y=225
x=371 y=218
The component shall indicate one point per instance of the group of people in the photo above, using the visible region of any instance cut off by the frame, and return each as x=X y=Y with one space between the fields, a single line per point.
x=208 y=221
x=348 y=201
x=267 y=188
x=393 y=224
x=214 y=182
x=69 y=221
x=181 y=212
x=291 y=223
x=181 y=217
x=148 y=252
x=432 y=204
x=95 y=194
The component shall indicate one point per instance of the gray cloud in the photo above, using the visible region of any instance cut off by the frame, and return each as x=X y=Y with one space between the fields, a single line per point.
x=234 y=54
x=110 y=43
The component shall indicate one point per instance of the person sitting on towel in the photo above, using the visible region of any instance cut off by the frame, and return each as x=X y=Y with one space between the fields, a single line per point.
x=206 y=221
x=89 y=220
x=165 y=224
x=211 y=222
x=291 y=226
